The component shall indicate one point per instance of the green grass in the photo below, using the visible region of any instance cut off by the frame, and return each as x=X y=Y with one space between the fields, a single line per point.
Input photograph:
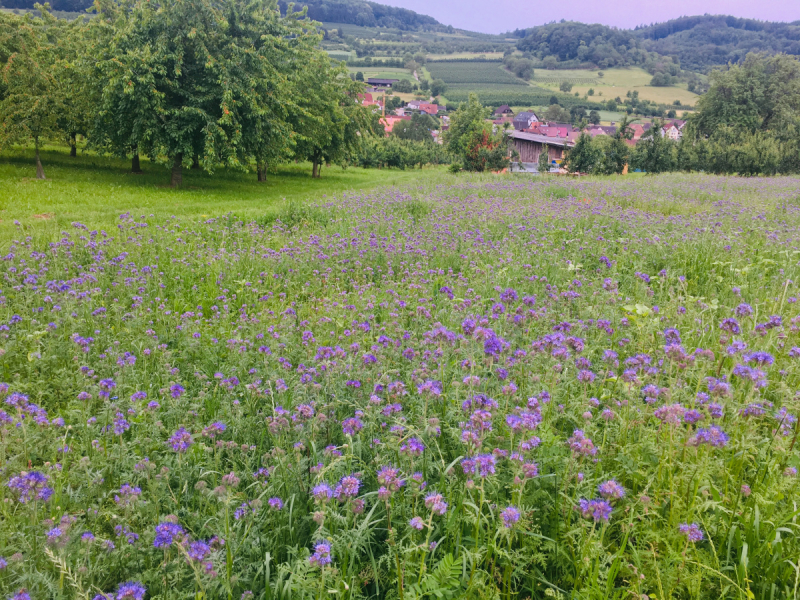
x=615 y=82
x=380 y=72
x=96 y=190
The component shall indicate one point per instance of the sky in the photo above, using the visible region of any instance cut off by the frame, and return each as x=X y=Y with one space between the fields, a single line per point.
x=498 y=16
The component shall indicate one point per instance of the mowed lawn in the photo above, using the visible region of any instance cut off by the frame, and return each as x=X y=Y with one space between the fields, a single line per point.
x=96 y=190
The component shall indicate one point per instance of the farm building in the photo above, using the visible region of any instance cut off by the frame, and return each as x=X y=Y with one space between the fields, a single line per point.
x=381 y=83
x=530 y=145
x=389 y=121
x=524 y=120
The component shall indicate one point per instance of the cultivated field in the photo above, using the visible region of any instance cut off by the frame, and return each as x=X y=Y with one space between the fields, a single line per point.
x=470 y=75
x=457 y=55
x=383 y=72
x=465 y=387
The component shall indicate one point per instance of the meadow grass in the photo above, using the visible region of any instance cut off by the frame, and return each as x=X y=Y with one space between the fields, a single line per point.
x=615 y=82
x=96 y=189
x=461 y=387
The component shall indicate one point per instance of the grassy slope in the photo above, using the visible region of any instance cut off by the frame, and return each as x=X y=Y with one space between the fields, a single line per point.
x=95 y=190
x=615 y=82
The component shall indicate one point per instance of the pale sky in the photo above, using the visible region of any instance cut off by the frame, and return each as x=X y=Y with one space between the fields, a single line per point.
x=498 y=16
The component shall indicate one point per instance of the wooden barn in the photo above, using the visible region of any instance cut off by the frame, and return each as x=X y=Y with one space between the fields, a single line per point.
x=530 y=145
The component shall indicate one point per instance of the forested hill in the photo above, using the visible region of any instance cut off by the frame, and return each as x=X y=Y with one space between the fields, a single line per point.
x=703 y=41
x=366 y=14
x=700 y=43
x=355 y=12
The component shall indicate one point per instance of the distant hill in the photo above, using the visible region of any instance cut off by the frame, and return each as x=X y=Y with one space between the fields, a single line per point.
x=704 y=41
x=572 y=41
x=354 y=12
x=699 y=43
x=366 y=14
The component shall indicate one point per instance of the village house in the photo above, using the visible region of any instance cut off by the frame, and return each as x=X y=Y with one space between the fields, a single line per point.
x=389 y=121
x=638 y=130
x=431 y=109
x=503 y=111
x=673 y=130
x=524 y=120
x=558 y=130
x=595 y=130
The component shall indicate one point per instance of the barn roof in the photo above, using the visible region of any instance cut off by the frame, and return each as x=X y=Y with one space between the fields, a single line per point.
x=541 y=139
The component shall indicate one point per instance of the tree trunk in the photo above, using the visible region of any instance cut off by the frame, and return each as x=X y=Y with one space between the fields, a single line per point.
x=73 y=145
x=177 y=171
x=39 y=167
x=195 y=162
x=261 y=171
x=314 y=169
x=135 y=167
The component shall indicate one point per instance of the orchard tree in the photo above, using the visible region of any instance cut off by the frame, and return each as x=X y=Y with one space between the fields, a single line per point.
x=655 y=153
x=615 y=152
x=197 y=81
x=585 y=156
x=470 y=138
x=31 y=99
x=438 y=87
x=544 y=160
x=763 y=93
x=329 y=123
x=418 y=128
x=73 y=59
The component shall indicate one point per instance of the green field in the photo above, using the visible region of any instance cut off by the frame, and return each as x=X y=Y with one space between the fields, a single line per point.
x=473 y=74
x=615 y=82
x=74 y=187
x=466 y=55
x=382 y=72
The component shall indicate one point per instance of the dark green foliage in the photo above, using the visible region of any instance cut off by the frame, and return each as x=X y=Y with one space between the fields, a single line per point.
x=438 y=87
x=654 y=153
x=598 y=44
x=584 y=157
x=662 y=80
x=397 y=153
x=701 y=42
x=761 y=94
x=198 y=82
x=469 y=138
x=521 y=67
x=544 y=160
x=404 y=86
x=417 y=129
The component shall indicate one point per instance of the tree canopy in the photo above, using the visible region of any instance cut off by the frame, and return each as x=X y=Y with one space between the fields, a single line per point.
x=207 y=83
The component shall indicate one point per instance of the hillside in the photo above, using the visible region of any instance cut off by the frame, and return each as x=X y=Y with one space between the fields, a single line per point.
x=704 y=41
x=367 y=14
x=353 y=12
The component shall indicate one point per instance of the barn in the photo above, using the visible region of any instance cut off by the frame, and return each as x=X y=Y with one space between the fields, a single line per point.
x=530 y=145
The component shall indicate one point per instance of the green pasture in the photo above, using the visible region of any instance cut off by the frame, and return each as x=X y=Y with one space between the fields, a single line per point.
x=95 y=190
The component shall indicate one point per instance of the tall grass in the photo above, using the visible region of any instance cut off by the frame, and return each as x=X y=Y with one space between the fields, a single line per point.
x=483 y=387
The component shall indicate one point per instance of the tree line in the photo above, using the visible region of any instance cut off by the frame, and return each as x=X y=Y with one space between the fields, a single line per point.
x=187 y=83
x=747 y=123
